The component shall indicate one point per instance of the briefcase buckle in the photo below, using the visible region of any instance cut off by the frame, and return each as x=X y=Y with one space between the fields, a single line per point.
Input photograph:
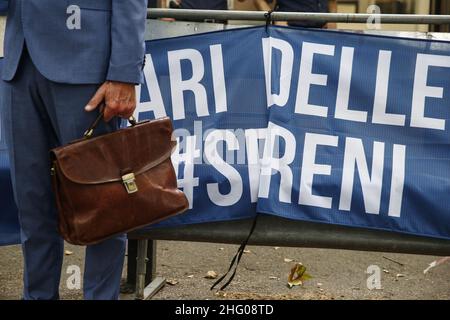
x=129 y=181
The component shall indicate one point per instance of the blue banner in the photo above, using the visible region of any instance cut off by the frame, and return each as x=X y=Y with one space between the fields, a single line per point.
x=311 y=125
x=366 y=132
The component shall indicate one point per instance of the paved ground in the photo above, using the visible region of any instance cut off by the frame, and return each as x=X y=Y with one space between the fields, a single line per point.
x=337 y=274
x=2 y=33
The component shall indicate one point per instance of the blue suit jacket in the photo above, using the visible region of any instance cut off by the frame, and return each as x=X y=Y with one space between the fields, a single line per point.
x=109 y=45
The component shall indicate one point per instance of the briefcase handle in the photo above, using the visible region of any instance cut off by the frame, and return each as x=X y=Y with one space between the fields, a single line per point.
x=89 y=132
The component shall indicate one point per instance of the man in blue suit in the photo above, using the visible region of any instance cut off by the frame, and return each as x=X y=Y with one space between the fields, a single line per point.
x=62 y=60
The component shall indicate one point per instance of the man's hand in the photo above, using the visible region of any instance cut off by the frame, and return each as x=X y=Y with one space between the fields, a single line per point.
x=119 y=97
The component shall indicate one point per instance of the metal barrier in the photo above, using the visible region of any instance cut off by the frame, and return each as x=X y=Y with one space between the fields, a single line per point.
x=292 y=16
x=271 y=230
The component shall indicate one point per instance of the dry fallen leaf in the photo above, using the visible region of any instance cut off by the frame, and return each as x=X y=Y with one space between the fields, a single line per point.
x=400 y=275
x=247 y=251
x=435 y=264
x=190 y=276
x=171 y=282
x=211 y=275
x=276 y=248
x=298 y=275
x=385 y=271
x=68 y=252
x=288 y=260
x=221 y=249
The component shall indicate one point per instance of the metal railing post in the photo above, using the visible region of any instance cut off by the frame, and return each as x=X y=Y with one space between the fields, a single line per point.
x=144 y=291
x=141 y=268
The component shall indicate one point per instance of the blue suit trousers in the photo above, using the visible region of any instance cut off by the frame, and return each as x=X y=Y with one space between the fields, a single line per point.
x=39 y=115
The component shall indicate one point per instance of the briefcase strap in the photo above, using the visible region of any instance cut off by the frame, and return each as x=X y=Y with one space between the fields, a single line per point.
x=90 y=131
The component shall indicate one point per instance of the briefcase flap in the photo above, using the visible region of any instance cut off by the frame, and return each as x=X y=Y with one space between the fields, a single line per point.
x=109 y=157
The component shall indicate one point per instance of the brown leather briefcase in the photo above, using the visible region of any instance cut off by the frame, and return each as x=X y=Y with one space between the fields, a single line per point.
x=117 y=182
